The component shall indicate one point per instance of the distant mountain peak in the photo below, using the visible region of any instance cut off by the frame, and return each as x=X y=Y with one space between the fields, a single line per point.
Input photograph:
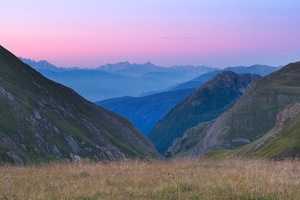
x=114 y=67
x=40 y=65
x=148 y=64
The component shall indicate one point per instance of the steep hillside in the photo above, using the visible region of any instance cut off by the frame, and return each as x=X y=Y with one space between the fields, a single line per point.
x=41 y=120
x=144 y=112
x=204 y=104
x=283 y=140
x=253 y=115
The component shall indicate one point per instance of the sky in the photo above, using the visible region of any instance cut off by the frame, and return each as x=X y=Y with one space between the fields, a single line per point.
x=215 y=33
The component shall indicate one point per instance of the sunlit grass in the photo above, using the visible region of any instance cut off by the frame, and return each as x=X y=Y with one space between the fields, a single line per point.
x=176 y=179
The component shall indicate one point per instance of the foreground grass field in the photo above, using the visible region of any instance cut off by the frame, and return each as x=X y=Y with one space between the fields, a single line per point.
x=177 y=179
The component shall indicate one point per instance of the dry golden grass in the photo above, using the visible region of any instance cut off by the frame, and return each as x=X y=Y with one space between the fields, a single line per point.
x=176 y=179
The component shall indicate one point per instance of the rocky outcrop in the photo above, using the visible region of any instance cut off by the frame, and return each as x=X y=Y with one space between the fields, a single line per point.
x=267 y=146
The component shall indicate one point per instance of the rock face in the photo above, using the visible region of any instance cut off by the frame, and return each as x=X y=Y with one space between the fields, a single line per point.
x=204 y=104
x=41 y=120
x=253 y=115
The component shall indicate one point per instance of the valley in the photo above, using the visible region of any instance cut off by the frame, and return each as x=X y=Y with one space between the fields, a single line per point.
x=218 y=110
x=166 y=100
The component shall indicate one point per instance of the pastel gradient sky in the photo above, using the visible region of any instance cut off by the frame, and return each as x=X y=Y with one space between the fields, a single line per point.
x=216 y=33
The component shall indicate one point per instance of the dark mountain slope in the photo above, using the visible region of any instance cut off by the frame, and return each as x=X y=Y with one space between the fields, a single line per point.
x=144 y=112
x=41 y=120
x=254 y=114
x=204 y=104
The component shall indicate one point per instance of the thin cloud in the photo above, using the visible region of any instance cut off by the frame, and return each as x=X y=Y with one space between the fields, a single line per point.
x=181 y=37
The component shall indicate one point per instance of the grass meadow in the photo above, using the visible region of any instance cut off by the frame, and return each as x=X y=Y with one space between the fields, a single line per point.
x=230 y=178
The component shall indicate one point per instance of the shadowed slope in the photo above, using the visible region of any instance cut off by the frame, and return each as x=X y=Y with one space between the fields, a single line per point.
x=41 y=120
x=204 y=104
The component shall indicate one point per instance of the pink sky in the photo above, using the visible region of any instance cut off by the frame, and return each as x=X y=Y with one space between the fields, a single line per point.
x=215 y=33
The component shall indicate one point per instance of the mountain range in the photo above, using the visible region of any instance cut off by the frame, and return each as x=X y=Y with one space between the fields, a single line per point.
x=41 y=120
x=219 y=113
x=137 y=70
x=144 y=112
x=261 y=70
x=116 y=80
x=206 y=103
x=260 y=120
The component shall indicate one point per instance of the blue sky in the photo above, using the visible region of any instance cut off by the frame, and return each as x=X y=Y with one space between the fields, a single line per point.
x=215 y=33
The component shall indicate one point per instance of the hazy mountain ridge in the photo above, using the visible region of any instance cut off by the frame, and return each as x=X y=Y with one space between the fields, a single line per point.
x=250 y=118
x=204 y=104
x=125 y=68
x=41 y=120
x=261 y=70
x=120 y=79
x=40 y=65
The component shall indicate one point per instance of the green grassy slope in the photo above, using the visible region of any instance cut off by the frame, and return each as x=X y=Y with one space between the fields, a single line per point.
x=281 y=141
x=255 y=113
x=43 y=120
